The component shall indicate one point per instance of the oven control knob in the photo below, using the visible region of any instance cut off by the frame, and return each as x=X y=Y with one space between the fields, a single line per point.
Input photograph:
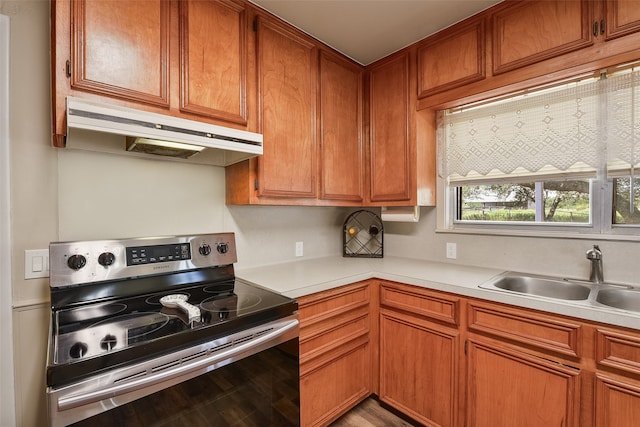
x=76 y=262
x=223 y=248
x=106 y=259
x=108 y=342
x=205 y=249
x=78 y=350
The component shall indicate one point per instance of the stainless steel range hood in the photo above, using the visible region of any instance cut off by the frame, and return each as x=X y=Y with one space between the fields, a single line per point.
x=108 y=128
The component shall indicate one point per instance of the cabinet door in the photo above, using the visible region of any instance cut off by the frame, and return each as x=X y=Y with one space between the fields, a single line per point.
x=391 y=147
x=287 y=70
x=508 y=388
x=530 y=31
x=341 y=150
x=622 y=17
x=451 y=59
x=419 y=368
x=332 y=388
x=617 y=402
x=213 y=59
x=121 y=49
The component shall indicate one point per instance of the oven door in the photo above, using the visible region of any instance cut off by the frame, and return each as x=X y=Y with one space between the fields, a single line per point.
x=248 y=378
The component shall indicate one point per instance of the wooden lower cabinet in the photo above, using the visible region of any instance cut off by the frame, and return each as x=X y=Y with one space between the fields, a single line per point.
x=335 y=386
x=419 y=368
x=617 y=401
x=512 y=388
x=448 y=360
x=335 y=352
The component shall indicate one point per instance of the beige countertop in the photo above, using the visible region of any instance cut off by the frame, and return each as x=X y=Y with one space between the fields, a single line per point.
x=308 y=276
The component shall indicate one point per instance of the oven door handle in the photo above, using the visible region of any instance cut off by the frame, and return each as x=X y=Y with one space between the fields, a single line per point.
x=234 y=353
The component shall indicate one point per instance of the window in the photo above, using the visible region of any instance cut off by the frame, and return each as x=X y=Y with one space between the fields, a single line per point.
x=548 y=157
x=566 y=201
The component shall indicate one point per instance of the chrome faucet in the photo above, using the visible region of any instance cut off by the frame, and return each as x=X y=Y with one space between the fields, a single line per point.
x=595 y=256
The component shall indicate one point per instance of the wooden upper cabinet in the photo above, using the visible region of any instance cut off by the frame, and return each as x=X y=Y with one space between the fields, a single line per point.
x=213 y=59
x=187 y=59
x=622 y=17
x=341 y=149
x=121 y=49
x=287 y=70
x=527 y=32
x=391 y=164
x=451 y=59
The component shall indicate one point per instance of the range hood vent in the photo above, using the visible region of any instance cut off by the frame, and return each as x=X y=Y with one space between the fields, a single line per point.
x=120 y=130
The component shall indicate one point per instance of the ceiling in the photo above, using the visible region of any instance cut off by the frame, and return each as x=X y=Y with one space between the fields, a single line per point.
x=367 y=30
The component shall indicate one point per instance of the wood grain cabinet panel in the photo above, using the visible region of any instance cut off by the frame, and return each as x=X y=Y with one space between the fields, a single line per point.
x=526 y=32
x=617 y=402
x=335 y=352
x=392 y=150
x=420 y=301
x=530 y=328
x=622 y=17
x=419 y=368
x=509 y=388
x=121 y=49
x=287 y=70
x=335 y=387
x=618 y=349
x=341 y=148
x=451 y=59
x=213 y=59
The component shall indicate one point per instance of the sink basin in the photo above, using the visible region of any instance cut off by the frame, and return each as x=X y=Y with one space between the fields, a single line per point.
x=620 y=298
x=550 y=288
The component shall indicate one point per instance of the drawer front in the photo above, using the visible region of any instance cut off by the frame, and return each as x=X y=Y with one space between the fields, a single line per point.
x=416 y=300
x=618 y=349
x=332 y=335
x=329 y=304
x=544 y=332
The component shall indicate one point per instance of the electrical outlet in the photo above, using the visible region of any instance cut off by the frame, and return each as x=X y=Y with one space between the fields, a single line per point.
x=451 y=251
x=299 y=249
x=36 y=263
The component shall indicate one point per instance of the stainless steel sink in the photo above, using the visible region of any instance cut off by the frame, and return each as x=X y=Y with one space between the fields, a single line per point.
x=544 y=287
x=624 y=299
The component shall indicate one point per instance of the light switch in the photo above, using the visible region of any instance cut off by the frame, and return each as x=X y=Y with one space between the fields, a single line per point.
x=36 y=263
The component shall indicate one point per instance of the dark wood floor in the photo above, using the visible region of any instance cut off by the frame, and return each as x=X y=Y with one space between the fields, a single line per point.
x=369 y=413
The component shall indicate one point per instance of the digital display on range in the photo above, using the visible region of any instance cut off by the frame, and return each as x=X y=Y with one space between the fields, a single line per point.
x=139 y=255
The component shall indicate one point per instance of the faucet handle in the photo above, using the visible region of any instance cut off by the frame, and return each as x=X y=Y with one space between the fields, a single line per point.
x=594 y=253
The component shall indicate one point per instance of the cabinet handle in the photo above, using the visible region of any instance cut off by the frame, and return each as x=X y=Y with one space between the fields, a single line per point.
x=595 y=29
x=68 y=68
x=602 y=27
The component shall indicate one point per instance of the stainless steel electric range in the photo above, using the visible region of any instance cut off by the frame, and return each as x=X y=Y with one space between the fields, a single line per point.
x=157 y=331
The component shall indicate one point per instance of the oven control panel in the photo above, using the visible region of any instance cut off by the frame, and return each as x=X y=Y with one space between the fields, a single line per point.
x=73 y=263
x=139 y=255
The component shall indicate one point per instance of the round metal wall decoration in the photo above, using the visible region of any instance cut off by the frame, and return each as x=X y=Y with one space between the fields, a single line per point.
x=362 y=235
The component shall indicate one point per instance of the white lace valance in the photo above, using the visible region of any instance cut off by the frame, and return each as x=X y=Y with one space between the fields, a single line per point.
x=552 y=133
x=623 y=123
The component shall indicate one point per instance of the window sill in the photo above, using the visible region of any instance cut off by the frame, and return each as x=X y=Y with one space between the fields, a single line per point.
x=544 y=234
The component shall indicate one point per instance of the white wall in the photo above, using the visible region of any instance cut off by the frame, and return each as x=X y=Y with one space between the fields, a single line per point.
x=563 y=257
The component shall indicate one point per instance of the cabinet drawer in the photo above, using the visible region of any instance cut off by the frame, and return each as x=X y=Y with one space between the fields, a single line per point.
x=618 y=349
x=420 y=301
x=329 y=304
x=328 y=336
x=544 y=332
